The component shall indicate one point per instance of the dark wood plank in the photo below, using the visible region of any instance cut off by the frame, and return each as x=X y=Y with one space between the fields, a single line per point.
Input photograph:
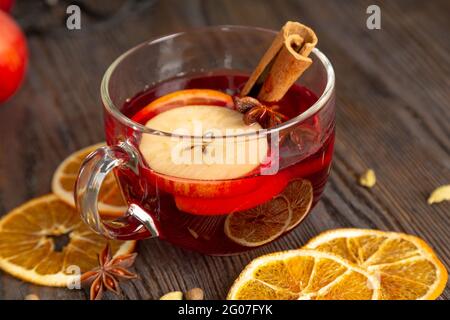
x=393 y=116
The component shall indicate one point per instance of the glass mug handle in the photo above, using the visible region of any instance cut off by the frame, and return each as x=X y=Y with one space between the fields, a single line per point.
x=93 y=171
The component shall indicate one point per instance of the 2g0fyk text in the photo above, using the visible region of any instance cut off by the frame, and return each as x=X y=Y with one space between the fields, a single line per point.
x=254 y=309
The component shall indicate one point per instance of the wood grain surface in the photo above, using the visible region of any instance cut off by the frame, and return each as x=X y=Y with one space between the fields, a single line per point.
x=393 y=115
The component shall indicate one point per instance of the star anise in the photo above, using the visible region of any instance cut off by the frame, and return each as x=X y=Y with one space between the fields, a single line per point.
x=108 y=273
x=255 y=111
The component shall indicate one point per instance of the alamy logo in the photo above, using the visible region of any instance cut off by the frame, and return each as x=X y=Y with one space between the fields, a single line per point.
x=374 y=20
x=73 y=21
x=224 y=147
x=74 y=282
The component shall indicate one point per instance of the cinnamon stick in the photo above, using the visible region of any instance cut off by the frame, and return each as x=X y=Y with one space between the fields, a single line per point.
x=282 y=64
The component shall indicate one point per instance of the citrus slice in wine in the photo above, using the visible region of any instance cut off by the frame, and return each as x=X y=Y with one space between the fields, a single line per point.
x=45 y=242
x=303 y=275
x=405 y=265
x=259 y=225
x=299 y=194
x=110 y=200
x=182 y=98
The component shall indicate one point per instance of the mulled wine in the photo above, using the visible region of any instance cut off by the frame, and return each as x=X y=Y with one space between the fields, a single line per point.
x=223 y=208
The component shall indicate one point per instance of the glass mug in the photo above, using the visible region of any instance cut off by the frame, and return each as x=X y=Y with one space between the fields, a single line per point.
x=212 y=216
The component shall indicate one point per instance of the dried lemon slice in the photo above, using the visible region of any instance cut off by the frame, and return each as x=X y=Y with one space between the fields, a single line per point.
x=110 y=200
x=303 y=274
x=406 y=266
x=299 y=194
x=259 y=225
x=44 y=242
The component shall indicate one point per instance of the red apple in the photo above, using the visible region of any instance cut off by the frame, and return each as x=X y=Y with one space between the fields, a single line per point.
x=6 y=5
x=13 y=56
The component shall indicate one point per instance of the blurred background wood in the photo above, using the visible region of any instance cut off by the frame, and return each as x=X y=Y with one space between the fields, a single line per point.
x=393 y=116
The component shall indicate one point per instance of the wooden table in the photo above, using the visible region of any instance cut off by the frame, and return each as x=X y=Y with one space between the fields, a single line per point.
x=393 y=115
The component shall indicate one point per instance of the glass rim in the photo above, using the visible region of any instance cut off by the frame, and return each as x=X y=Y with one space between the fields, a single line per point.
x=115 y=111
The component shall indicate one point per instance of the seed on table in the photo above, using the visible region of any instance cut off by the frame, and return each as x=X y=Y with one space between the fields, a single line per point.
x=368 y=179
x=174 y=295
x=194 y=294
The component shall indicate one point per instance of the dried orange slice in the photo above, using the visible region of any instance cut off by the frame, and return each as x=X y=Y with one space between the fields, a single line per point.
x=299 y=194
x=304 y=274
x=45 y=242
x=406 y=266
x=110 y=200
x=258 y=225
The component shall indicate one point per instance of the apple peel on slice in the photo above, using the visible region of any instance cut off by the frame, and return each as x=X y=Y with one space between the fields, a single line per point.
x=206 y=188
x=272 y=186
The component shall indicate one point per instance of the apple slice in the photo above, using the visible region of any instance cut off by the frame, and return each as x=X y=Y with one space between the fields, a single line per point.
x=208 y=156
x=210 y=164
x=273 y=186
x=182 y=98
